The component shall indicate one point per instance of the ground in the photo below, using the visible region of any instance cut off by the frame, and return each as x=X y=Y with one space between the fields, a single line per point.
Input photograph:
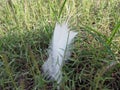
x=26 y=28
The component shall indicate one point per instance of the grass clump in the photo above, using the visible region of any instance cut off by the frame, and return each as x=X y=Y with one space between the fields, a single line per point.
x=25 y=32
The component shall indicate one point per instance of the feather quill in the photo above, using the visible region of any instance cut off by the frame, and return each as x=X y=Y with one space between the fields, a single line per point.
x=59 y=52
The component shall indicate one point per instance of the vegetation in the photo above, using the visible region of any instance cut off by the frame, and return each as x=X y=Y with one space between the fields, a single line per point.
x=26 y=28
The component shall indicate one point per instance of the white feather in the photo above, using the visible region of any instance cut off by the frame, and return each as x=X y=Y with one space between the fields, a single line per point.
x=59 y=52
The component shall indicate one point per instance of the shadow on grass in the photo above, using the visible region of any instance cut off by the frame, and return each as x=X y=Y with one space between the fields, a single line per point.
x=21 y=57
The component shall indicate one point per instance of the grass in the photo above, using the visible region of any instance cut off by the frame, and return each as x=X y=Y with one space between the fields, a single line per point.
x=26 y=28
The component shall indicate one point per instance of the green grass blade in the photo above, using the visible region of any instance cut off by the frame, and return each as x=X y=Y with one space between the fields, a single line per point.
x=116 y=29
